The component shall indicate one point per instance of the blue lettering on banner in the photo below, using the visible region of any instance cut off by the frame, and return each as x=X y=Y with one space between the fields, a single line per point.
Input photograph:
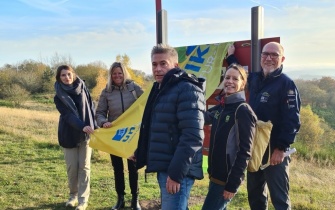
x=123 y=134
x=190 y=49
x=129 y=134
x=197 y=59
x=119 y=134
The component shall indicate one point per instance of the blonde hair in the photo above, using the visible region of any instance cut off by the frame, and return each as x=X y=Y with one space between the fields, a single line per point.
x=126 y=75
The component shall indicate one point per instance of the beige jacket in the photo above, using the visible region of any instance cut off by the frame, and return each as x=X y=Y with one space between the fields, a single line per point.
x=112 y=103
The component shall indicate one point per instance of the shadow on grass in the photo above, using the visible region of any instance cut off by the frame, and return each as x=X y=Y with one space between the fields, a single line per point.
x=60 y=206
x=53 y=206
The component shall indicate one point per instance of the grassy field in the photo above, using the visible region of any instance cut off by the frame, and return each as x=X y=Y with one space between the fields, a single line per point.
x=33 y=175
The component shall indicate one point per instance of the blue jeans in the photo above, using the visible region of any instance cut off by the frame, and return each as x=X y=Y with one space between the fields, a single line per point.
x=178 y=201
x=214 y=199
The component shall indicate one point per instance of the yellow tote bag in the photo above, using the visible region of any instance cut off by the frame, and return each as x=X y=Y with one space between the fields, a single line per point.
x=260 y=143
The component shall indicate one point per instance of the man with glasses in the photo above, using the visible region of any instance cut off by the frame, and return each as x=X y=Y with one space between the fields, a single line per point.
x=274 y=97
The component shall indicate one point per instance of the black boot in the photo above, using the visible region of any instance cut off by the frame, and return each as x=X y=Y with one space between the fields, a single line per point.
x=120 y=203
x=135 y=205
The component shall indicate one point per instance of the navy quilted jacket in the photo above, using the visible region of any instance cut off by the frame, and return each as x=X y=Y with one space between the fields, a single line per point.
x=171 y=135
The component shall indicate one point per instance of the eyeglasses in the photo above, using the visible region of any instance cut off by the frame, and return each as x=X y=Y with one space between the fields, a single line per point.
x=272 y=55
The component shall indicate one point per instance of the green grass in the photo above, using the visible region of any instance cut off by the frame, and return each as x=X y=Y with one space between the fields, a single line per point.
x=33 y=173
x=44 y=98
x=6 y=103
x=324 y=155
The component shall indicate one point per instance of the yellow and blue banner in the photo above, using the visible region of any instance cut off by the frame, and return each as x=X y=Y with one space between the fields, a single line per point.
x=121 y=139
x=204 y=61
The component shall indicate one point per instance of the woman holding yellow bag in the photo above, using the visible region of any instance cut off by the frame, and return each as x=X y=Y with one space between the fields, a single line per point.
x=230 y=141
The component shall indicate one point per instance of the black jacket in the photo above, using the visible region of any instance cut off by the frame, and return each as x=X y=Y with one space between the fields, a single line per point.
x=171 y=134
x=230 y=141
x=71 y=124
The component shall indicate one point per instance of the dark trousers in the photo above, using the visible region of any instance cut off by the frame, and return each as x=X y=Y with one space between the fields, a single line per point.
x=117 y=164
x=276 y=178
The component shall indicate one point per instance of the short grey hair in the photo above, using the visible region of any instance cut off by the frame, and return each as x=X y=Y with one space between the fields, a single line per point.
x=165 y=49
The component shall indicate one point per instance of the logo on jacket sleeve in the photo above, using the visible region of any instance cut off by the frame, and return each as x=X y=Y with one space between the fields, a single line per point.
x=265 y=97
x=291 y=101
x=291 y=93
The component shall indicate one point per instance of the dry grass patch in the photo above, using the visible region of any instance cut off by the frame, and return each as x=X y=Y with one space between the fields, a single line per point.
x=30 y=123
x=312 y=185
x=32 y=164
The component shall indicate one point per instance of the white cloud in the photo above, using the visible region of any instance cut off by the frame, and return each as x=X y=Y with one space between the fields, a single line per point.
x=305 y=27
x=217 y=25
x=305 y=35
x=85 y=47
x=47 y=5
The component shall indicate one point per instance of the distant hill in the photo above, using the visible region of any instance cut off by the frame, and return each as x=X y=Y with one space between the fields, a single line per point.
x=310 y=74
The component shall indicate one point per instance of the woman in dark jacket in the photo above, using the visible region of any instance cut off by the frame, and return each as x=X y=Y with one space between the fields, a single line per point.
x=76 y=122
x=116 y=98
x=232 y=133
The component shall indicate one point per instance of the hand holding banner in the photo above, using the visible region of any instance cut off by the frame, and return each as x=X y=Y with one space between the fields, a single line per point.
x=121 y=139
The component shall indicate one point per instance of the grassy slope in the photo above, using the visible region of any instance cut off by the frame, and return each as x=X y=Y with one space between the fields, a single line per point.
x=33 y=176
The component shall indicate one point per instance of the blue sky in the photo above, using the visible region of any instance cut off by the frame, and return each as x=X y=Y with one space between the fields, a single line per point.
x=98 y=30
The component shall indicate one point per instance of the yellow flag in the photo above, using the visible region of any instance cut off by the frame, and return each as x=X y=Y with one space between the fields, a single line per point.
x=121 y=139
x=204 y=61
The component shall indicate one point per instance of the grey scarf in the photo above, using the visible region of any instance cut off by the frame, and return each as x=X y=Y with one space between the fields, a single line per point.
x=77 y=88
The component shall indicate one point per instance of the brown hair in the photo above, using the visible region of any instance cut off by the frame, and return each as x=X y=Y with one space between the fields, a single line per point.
x=64 y=67
x=241 y=70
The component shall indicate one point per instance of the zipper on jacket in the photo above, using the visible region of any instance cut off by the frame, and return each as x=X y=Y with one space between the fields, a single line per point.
x=149 y=134
x=215 y=136
x=122 y=104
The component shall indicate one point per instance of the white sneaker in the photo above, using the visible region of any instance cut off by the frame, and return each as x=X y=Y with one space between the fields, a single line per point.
x=72 y=202
x=81 y=206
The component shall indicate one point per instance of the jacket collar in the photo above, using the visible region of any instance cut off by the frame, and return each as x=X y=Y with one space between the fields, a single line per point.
x=275 y=73
x=234 y=98
x=176 y=74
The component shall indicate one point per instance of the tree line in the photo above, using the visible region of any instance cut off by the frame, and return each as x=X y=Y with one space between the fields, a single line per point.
x=317 y=113
x=29 y=77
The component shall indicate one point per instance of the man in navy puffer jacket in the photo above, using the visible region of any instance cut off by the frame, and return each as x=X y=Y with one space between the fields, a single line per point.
x=171 y=134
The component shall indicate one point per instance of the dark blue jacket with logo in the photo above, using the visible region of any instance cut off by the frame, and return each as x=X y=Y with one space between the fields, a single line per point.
x=276 y=98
